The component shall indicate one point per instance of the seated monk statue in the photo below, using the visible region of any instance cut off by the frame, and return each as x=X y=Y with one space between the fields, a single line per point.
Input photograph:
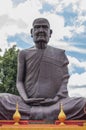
x=42 y=81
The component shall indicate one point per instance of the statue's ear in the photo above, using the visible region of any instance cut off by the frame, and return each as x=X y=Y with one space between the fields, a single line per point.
x=51 y=32
x=31 y=31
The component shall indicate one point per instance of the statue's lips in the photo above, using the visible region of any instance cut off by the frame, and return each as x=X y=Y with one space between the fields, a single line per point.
x=41 y=34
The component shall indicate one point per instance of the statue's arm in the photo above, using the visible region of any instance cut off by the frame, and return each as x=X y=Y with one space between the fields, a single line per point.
x=20 y=75
x=63 y=92
x=20 y=80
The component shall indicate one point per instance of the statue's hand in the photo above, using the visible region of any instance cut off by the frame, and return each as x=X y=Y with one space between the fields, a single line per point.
x=33 y=101
x=49 y=101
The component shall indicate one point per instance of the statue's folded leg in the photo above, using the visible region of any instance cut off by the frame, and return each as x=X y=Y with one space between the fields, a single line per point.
x=8 y=106
x=74 y=107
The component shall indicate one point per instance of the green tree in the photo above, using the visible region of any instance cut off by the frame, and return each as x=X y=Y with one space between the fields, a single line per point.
x=8 y=71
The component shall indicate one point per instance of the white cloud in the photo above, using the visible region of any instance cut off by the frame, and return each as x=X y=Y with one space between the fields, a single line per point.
x=61 y=4
x=77 y=85
x=26 y=11
x=66 y=46
x=52 y=2
x=5 y=7
x=5 y=32
x=82 y=5
x=78 y=28
x=77 y=5
x=73 y=62
x=78 y=80
x=16 y=2
x=77 y=92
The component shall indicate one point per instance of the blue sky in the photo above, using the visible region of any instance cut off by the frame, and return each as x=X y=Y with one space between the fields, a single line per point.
x=68 y=22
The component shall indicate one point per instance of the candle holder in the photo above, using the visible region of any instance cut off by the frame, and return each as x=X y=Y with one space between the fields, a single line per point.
x=61 y=115
x=16 y=116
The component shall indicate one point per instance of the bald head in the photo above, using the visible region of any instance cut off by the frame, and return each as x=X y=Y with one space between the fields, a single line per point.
x=41 y=32
x=41 y=20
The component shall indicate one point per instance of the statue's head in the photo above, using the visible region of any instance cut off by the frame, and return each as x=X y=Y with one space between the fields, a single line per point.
x=41 y=31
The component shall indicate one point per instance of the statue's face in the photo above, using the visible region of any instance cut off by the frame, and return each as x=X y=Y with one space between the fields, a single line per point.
x=41 y=32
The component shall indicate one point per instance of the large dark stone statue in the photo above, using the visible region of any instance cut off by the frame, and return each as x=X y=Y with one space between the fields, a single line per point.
x=42 y=81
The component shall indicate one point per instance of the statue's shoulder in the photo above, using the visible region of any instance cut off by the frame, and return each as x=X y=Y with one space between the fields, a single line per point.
x=56 y=50
x=56 y=54
x=26 y=51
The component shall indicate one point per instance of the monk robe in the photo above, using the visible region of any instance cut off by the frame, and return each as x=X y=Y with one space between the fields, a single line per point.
x=46 y=76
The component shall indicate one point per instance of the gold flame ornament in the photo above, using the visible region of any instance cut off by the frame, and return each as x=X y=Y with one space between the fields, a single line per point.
x=16 y=116
x=61 y=115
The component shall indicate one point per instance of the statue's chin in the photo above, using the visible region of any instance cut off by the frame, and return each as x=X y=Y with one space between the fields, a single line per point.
x=41 y=45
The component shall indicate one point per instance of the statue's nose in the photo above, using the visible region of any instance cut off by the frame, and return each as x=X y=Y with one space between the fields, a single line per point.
x=41 y=29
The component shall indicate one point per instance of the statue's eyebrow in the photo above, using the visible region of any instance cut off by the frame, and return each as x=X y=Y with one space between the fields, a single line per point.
x=37 y=26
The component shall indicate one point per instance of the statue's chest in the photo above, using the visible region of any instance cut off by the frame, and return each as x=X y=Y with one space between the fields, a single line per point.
x=51 y=68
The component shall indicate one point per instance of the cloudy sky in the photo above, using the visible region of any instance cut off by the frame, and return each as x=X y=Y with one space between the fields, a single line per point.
x=68 y=22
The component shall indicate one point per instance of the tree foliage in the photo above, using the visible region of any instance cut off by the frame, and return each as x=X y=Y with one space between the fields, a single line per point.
x=8 y=71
